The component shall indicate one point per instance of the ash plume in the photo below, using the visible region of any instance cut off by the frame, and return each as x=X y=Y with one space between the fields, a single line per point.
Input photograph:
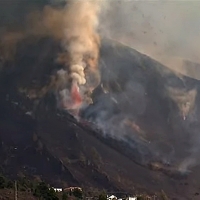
x=74 y=25
x=81 y=43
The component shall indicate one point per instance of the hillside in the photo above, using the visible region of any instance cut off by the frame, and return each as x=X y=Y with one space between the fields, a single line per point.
x=41 y=141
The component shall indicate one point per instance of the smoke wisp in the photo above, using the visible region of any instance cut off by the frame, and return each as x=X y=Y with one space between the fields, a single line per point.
x=147 y=106
x=184 y=99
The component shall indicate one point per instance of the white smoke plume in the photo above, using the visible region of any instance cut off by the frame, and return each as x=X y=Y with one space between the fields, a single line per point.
x=81 y=44
x=81 y=40
x=74 y=25
x=185 y=100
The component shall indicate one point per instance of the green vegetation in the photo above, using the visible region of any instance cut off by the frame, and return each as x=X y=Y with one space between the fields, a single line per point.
x=163 y=196
x=43 y=192
x=96 y=155
x=64 y=196
x=102 y=196
x=83 y=158
x=39 y=189
x=141 y=197
x=5 y=183
x=77 y=193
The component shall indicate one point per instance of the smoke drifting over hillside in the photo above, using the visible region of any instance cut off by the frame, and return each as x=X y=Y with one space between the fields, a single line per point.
x=169 y=32
x=74 y=25
x=166 y=30
x=147 y=106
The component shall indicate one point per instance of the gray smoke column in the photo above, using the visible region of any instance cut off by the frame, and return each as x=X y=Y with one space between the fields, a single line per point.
x=81 y=44
x=74 y=25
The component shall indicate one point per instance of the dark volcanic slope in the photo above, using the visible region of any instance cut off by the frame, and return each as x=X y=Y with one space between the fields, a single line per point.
x=53 y=145
x=146 y=93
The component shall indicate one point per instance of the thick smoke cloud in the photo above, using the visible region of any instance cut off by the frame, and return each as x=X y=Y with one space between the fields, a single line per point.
x=169 y=32
x=164 y=30
x=147 y=106
x=74 y=25
x=81 y=42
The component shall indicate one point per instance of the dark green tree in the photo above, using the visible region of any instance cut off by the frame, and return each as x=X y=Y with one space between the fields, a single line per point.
x=163 y=195
x=141 y=197
x=64 y=196
x=41 y=189
x=43 y=192
x=102 y=196
x=2 y=182
x=51 y=195
x=10 y=184
x=78 y=193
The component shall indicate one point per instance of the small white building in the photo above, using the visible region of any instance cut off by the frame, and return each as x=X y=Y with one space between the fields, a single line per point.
x=132 y=198
x=57 y=189
x=112 y=197
x=71 y=189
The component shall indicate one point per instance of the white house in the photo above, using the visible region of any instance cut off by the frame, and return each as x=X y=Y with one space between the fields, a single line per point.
x=72 y=189
x=112 y=197
x=57 y=189
x=132 y=198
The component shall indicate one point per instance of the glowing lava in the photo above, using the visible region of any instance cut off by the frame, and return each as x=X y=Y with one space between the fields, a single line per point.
x=71 y=100
x=75 y=96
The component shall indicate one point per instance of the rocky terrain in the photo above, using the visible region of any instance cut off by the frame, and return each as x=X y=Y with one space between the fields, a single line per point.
x=137 y=138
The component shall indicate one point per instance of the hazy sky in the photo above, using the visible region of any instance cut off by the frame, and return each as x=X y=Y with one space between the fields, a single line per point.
x=171 y=26
x=161 y=29
x=158 y=28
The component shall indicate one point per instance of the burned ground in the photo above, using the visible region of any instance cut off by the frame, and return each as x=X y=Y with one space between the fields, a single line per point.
x=38 y=140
